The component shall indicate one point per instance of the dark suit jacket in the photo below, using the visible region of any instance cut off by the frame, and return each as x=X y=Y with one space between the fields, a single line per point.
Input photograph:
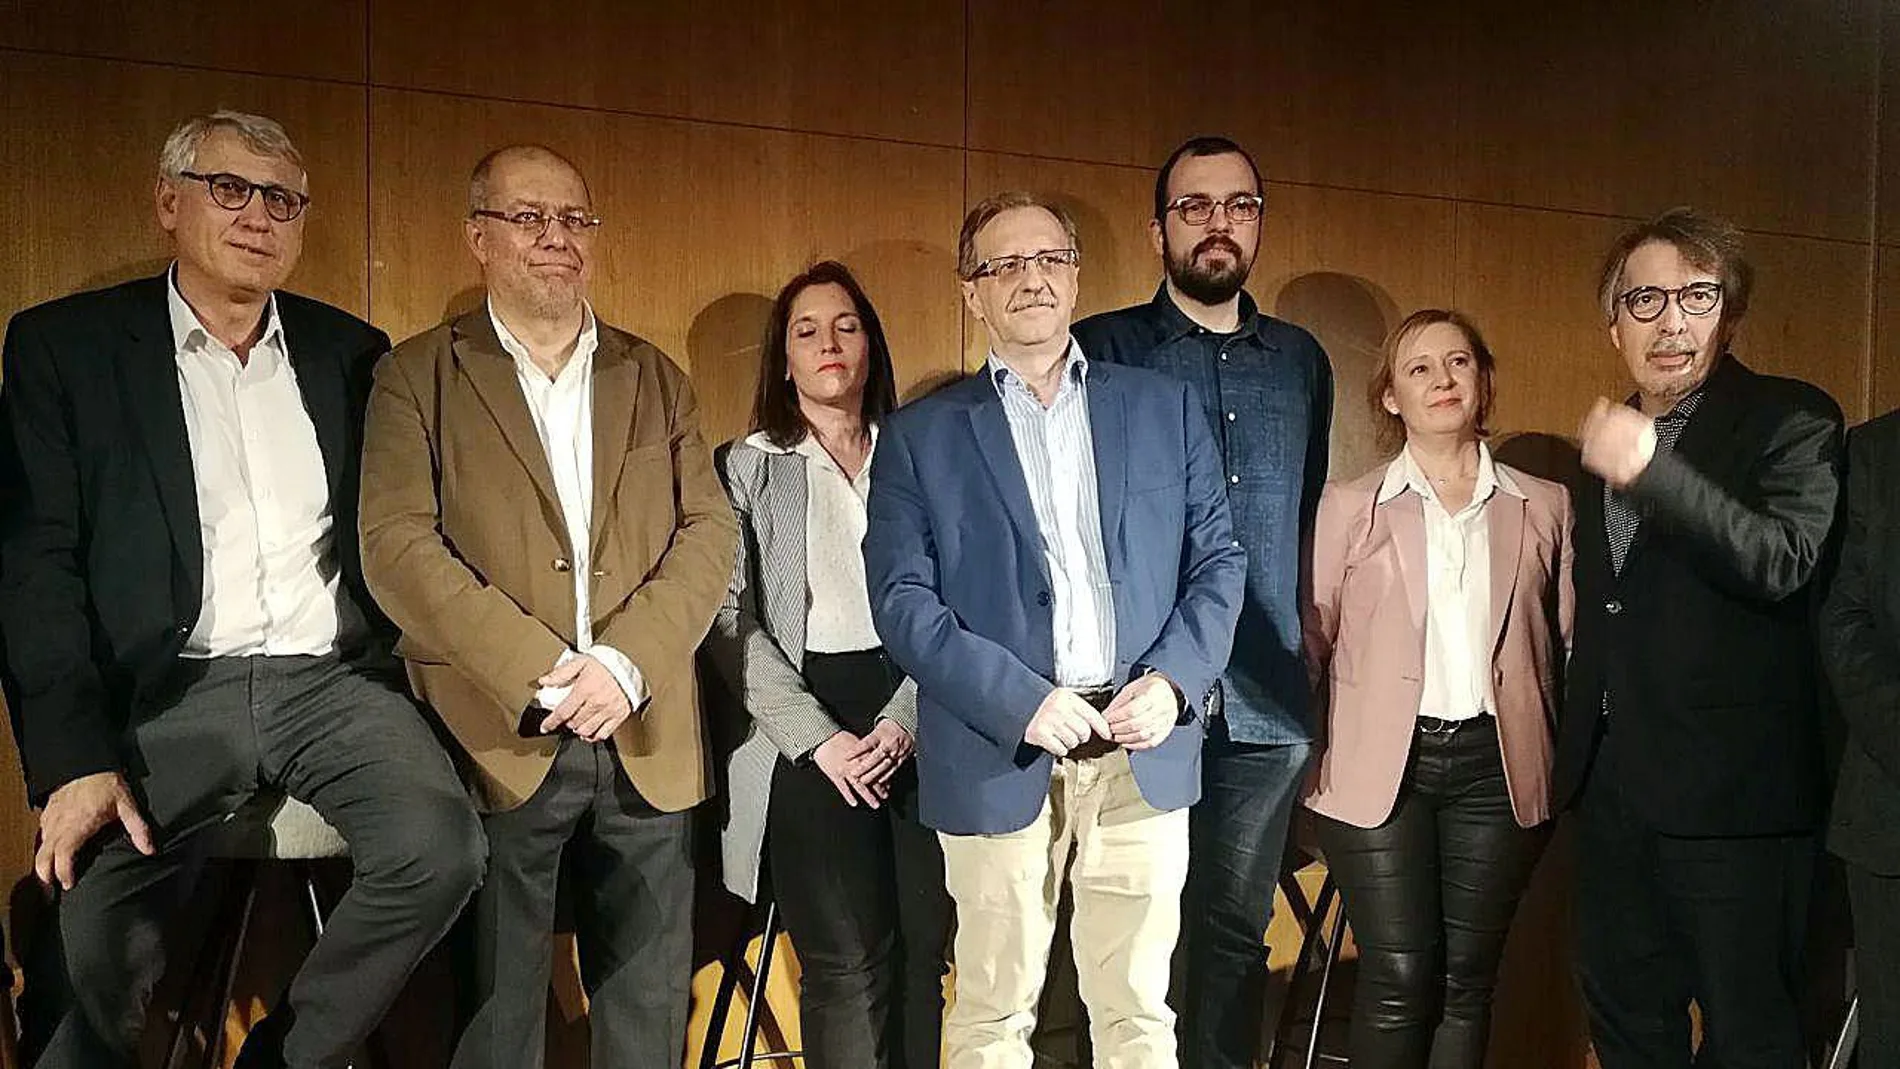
x=961 y=597
x=1860 y=644
x=101 y=562
x=1705 y=641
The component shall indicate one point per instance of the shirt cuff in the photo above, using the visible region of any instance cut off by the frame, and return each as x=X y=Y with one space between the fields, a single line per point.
x=625 y=673
x=550 y=698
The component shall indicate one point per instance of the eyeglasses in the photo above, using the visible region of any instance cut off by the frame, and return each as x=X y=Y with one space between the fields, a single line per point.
x=533 y=223
x=233 y=192
x=1005 y=268
x=1197 y=210
x=1645 y=303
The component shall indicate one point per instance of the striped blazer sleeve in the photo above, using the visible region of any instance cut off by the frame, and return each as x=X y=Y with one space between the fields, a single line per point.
x=745 y=653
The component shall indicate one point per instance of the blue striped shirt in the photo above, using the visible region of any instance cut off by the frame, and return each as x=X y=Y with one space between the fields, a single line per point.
x=1056 y=448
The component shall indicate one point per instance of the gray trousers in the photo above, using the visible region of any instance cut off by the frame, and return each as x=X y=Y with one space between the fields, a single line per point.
x=360 y=754
x=632 y=882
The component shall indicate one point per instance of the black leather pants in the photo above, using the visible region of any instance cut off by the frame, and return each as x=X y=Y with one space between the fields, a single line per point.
x=1429 y=895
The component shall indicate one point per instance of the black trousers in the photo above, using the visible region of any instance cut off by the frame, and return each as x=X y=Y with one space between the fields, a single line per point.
x=1662 y=920
x=631 y=869
x=1430 y=894
x=1876 y=902
x=328 y=734
x=862 y=894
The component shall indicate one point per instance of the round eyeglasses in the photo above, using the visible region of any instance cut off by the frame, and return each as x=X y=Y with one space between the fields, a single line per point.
x=233 y=192
x=1645 y=303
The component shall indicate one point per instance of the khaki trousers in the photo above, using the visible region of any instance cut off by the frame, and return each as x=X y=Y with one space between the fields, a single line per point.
x=1125 y=862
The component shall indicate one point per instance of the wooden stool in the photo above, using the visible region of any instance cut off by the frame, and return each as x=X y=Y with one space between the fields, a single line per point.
x=271 y=828
x=731 y=967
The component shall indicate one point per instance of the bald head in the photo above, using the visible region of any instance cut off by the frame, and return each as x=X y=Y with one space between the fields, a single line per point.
x=482 y=181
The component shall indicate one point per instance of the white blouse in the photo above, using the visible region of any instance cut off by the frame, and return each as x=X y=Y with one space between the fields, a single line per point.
x=1458 y=624
x=837 y=601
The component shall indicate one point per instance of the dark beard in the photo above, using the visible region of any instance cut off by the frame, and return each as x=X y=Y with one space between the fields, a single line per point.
x=1207 y=284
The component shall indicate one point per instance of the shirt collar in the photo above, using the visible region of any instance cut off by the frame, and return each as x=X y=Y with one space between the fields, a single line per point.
x=188 y=331
x=1403 y=474
x=806 y=447
x=1075 y=371
x=1180 y=326
x=584 y=346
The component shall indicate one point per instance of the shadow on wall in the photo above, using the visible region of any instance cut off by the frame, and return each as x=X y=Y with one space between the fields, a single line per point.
x=125 y=273
x=722 y=354
x=1547 y=456
x=1350 y=316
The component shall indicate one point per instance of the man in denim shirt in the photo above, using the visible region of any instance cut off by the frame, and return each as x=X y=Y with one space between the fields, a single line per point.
x=1269 y=392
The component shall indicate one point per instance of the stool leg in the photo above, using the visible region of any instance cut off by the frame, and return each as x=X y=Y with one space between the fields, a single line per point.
x=227 y=981
x=767 y=943
x=1849 y=1037
x=1313 y=915
x=1336 y=937
x=729 y=968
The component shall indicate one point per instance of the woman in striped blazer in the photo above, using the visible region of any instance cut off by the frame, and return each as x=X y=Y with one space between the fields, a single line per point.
x=823 y=784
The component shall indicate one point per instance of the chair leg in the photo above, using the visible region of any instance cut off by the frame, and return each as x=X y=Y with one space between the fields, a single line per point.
x=1313 y=916
x=1335 y=939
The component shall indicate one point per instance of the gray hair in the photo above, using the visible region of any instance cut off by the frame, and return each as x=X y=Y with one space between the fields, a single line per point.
x=1709 y=243
x=259 y=134
x=992 y=207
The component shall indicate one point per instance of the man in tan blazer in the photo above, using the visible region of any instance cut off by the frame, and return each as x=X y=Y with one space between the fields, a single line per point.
x=541 y=519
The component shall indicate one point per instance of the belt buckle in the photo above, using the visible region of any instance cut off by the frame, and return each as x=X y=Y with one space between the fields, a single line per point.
x=1444 y=728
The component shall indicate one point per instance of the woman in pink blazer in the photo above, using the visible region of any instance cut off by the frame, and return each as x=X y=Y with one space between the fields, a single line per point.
x=1435 y=635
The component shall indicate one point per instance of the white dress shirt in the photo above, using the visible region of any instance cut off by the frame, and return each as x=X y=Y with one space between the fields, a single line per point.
x=1056 y=446
x=838 y=602
x=1458 y=624
x=563 y=412
x=270 y=581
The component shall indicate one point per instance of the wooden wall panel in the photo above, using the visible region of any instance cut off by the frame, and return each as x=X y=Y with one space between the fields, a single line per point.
x=1760 y=111
x=1358 y=94
x=703 y=225
x=1886 y=356
x=76 y=178
x=1889 y=142
x=1348 y=266
x=1114 y=83
x=319 y=40
x=1796 y=280
x=1528 y=279
x=883 y=69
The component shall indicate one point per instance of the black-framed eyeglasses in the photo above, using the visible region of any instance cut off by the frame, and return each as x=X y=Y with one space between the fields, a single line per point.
x=1006 y=268
x=1645 y=303
x=533 y=223
x=1197 y=210
x=233 y=192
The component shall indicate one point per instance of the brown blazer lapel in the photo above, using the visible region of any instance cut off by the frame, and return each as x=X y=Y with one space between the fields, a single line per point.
x=616 y=395
x=491 y=372
x=1505 y=519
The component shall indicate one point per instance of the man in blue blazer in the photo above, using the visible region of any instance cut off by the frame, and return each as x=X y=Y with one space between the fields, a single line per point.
x=1050 y=556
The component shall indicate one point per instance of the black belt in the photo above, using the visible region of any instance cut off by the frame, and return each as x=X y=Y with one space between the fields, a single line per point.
x=1431 y=725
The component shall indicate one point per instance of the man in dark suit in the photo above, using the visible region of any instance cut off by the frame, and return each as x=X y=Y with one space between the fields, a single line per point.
x=1050 y=556
x=183 y=620
x=1860 y=641
x=1690 y=745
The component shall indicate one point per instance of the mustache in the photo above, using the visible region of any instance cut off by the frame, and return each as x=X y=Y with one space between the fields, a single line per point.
x=1039 y=301
x=1675 y=345
x=1218 y=241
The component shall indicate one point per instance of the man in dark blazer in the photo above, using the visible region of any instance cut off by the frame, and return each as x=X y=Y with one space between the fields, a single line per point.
x=1050 y=556
x=1690 y=744
x=1860 y=644
x=183 y=620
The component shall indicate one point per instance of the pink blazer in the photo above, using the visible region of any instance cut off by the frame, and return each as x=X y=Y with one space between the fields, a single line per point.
x=1364 y=631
